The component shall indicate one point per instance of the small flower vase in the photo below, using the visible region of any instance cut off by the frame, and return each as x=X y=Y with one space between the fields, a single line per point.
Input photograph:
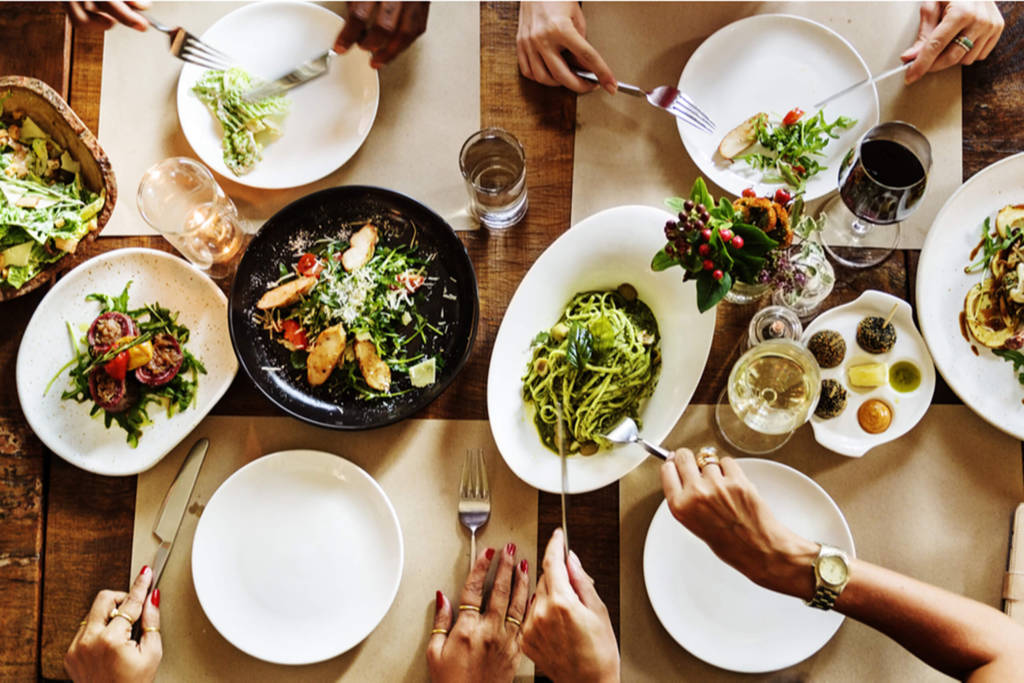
x=743 y=293
x=811 y=281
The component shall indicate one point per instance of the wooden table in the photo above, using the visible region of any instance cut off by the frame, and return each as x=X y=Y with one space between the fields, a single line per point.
x=65 y=533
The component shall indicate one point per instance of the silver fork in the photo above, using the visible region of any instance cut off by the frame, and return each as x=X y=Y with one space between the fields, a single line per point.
x=188 y=48
x=474 y=496
x=664 y=97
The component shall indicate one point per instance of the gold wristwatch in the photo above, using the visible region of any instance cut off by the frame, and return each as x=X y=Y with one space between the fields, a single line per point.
x=831 y=574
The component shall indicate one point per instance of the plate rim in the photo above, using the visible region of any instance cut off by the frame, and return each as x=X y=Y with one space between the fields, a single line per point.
x=56 y=445
x=420 y=404
x=264 y=461
x=180 y=88
x=662 y=510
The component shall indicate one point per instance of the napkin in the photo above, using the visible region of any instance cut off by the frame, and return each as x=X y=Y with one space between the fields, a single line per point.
x=1013 y=583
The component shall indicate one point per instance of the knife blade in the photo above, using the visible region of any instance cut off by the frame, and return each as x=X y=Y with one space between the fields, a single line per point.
x=172 y=510
x=869 y=79
x=303 y=73
x=560 y=436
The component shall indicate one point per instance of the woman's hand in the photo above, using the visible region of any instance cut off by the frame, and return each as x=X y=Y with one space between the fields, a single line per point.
x=103 y=649
x=545 y=30
x=976 y=25
x=567 y=631
x=103 y=15
x=483 y=645
x=722 y=508
x=382 y=28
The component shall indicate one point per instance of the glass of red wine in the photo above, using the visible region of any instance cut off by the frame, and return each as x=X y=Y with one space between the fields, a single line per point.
x=881 y=182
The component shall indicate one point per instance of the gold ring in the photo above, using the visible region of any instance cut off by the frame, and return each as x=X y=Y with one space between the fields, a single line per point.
x=151 y=629
x=513 y=620
x=472 y=608
x=116 y=613
x=442 y=631
x=82 y=623
x=964 y=42
x=708 y=455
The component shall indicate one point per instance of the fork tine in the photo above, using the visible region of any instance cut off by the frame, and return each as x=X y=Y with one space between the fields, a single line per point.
x=200 y=60
x=200 y=46
x=191 y=52
x=690 y=118
x=692 y=112
x=464 y=478
x=485 y=486
x=697 y=110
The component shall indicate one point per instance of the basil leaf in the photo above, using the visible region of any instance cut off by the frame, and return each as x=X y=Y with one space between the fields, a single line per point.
x=699 y=193
x=674 y=204
x=663 y=261
x=581 y=346
x=710 y=291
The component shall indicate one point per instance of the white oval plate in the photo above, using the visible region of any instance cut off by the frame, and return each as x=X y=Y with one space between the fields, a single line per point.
x=718 y=614
x=329 y=117
x=600 y=252
x=65 y=426
x=772 y=63
x=297 y=557
x=984 y=382
x=843 y=434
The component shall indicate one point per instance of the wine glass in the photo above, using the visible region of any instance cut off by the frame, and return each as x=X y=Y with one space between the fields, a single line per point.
x=771 y=391
x=881 y=182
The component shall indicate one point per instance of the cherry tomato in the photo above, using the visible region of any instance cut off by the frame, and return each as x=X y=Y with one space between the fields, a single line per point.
x=294 y=334
x=411 y=281
x=718 y=275
x=799 y=170
x=737 y=242
x=793 y=116
x=749 y=192
x=309 y=265
x=708 y=264
x=117 y=367
x=782 y=196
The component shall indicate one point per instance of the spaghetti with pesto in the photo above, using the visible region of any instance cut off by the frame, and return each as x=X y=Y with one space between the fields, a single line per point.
x=598 y=362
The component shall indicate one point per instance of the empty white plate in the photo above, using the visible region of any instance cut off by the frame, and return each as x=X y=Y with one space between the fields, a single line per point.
x=719 y=615
x=297 y=557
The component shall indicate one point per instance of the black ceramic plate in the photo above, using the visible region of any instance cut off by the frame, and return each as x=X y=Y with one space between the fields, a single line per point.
x=333 y=213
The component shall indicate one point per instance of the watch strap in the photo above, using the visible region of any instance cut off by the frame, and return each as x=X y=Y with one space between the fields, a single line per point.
x=824 y=598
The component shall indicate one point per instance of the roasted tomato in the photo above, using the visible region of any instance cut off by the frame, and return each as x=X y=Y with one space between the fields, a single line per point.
x=792 y=116
x=294 y=334
x=411 y=281
x=309 y=265
x=117 y=367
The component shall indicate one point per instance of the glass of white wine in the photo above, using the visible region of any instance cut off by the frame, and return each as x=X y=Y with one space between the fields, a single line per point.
x=181 y=200
x=771 y=391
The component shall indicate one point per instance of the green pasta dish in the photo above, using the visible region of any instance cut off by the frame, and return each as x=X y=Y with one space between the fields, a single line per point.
x=597 y=363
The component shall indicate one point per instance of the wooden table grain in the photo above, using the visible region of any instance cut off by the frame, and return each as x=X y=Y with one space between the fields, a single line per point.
x=65 y=533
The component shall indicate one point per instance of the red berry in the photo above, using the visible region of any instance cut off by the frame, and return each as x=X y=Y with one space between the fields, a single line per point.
x=706 y=234
x=782 y=196
x=725 y=234
x=718 y=275
x=749 y=192
x=704 y=249
x=708 y=264
x=737 y=242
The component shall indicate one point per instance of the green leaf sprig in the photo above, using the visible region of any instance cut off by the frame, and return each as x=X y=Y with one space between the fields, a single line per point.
x=791 y=152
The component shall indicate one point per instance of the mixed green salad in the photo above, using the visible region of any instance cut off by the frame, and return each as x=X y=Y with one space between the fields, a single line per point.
x=247 y=126
x=45 y=209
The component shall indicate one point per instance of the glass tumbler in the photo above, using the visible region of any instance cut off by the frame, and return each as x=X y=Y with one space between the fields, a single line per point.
x=493 y=165
x=181 y=200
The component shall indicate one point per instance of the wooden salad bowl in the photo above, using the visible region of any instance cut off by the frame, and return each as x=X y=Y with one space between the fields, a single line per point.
x=55 y=117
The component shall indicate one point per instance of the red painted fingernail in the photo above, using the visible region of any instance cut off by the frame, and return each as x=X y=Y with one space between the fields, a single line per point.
x=489 y=553
x=155 y=597
x=524 y=567
x=510 y=548
x=440 y=600
x=143 y=570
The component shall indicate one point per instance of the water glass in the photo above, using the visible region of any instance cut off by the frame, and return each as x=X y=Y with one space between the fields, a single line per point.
x=494 y=166
x=180 y=199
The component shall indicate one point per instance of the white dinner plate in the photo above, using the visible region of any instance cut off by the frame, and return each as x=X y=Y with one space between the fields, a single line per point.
x=297 y=557
x=64 y=425
x=601 y=252
x=984 y=381
x=772 y=63
x=718 y=614
x=329 y=117
x=843 y=434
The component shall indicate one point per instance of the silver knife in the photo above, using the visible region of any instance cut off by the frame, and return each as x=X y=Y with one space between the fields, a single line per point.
x=175 y=502
x=303 y=73
x=560 y=435
x=869 y=79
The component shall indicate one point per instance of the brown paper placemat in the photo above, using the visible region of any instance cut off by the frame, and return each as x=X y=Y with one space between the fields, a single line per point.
x=935 y=504
x=649 y=44
x=417 y=462
x=429 y=105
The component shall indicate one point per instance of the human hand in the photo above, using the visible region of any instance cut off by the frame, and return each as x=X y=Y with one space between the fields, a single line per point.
x=484 y=644
x=103 y=15
x=103 y=649
x=567 y=631
x=941 y=24
x=545 y=30
x=382 y=28
x=722 y=508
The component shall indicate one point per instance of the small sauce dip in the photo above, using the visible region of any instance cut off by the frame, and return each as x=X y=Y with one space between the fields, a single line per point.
x=904 y=377
x=874 y=416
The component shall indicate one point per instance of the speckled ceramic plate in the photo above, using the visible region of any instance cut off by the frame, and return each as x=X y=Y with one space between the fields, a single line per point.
x=65 y=426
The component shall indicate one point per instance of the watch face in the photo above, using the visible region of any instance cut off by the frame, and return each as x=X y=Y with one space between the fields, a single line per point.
x=832 y=570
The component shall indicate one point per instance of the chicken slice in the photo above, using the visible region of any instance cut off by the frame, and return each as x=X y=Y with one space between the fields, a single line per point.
x=375 y=371
x=285 y=294
x=360 y=248
x=324 y=354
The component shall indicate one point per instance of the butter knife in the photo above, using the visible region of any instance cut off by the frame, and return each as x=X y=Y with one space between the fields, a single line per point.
x=560 y=436
x=303 y=73
x=175 y=503
x=858 y=84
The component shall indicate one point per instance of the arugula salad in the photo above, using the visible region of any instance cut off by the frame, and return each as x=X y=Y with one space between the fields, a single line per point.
x=45 y=209
x=130 y=359
x=348 y=312
x=247 y=126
